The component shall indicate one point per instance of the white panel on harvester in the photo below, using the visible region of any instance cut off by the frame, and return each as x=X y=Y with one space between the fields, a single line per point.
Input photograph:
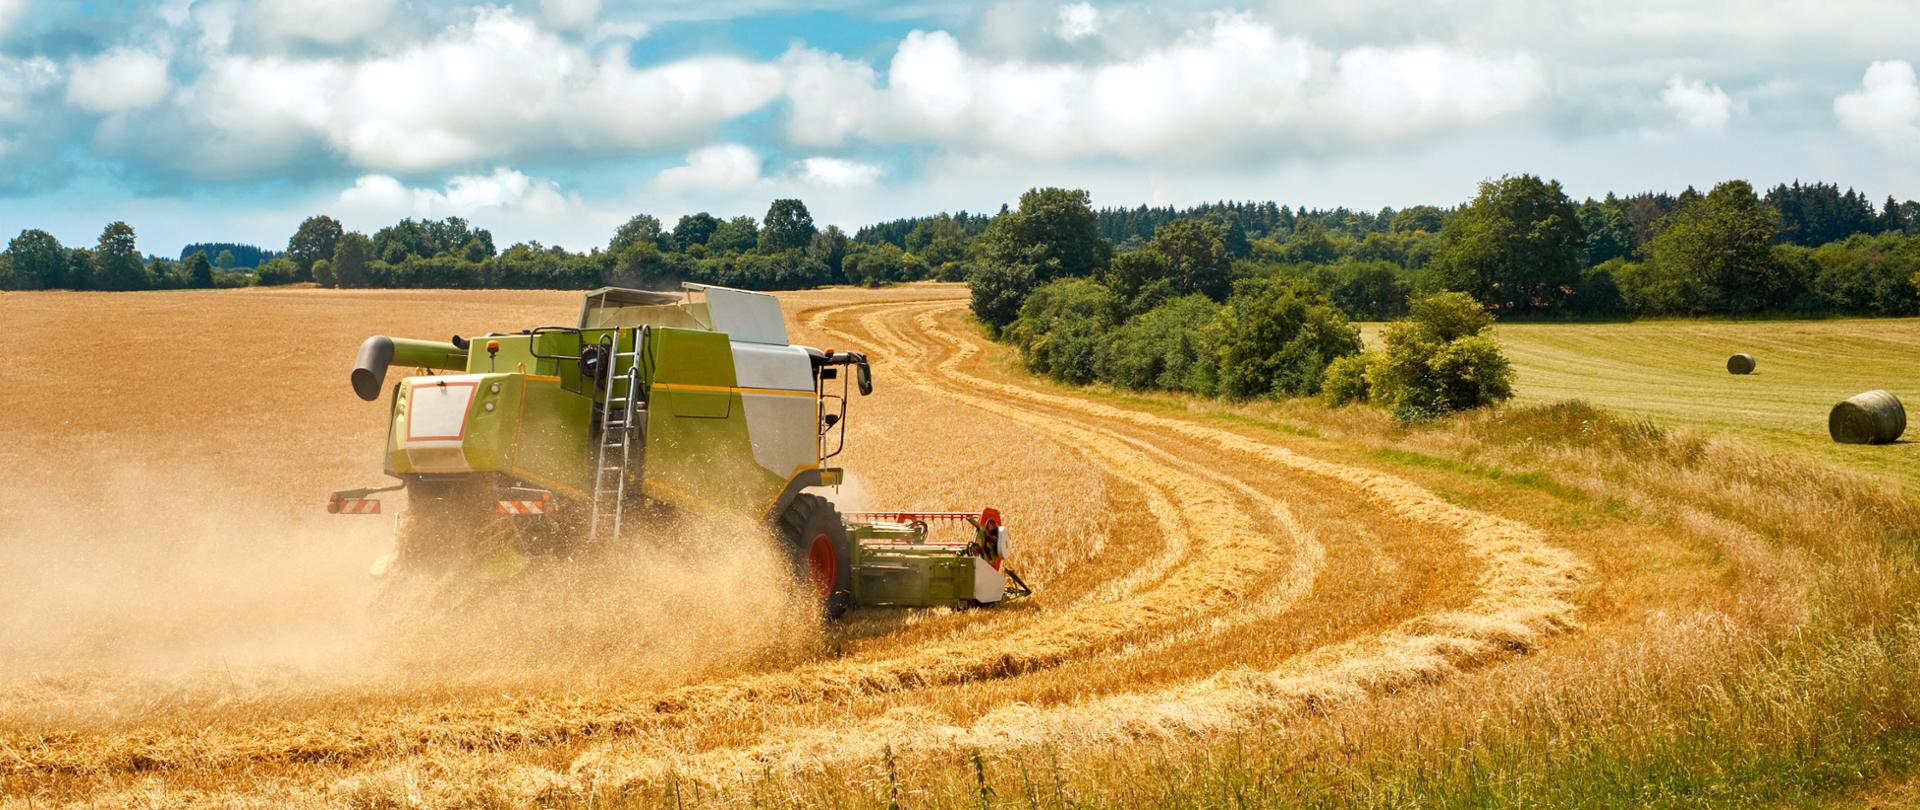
x=748 y=317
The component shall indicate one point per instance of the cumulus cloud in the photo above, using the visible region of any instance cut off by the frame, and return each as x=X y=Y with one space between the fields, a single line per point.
x=21 y=80
x=829 y=172
x=713 y=169
x=35 y=134
x=382 y=197
x=494 y=87
x=1078 y=21
x=570 y=13
x=1233 y=88
x=331 y=22
x=1696 y=104
x=11 y=12
x=1886 y=108
x=118 y=80
x=241 y=115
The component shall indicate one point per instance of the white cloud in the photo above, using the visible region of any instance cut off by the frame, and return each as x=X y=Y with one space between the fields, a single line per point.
x=330 y=22
x=570 y=13
x=118 y=80
x=245 y=114
x=713 y=169
x=831 y=172
x=1886 y=108
x=494 y=87
x=11 y=11
x=20 y=81
x=1696 y=104
x=380 y=197
x=1233 y=88
x=1079 y=21
x=832 y=96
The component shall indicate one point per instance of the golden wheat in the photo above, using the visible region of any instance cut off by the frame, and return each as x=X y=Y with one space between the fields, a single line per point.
x=183 y=628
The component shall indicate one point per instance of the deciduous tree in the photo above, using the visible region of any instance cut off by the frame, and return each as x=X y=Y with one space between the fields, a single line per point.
x=1277 y=337
x=314 y=240
x=735 y=235
x=1718 y=250
x=200 y=271
x=353 y=260
x=39 y=262
x=694 y=229
x=116 y=261
x=1516 y=248
x=787 y=226
x=641 y=228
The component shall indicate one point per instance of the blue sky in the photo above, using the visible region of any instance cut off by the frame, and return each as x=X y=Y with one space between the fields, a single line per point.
x=554 y=120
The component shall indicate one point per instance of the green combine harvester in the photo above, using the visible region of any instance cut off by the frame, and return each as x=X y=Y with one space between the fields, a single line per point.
x=555 y=441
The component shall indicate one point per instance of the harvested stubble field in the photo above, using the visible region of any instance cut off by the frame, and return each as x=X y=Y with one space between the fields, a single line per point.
x=1675 y=372
x=1267 y=604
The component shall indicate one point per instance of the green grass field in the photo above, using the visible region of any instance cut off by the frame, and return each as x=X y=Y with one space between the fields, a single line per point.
x=1675 y=372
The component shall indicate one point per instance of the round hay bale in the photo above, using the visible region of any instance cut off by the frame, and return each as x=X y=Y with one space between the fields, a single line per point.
x=1875 y=417
x=1740 y=364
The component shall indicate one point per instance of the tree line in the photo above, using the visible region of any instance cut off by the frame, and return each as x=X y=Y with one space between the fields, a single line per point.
x=782 y=250
x=1521 y=247
x=1210 y=307
x=229 y=255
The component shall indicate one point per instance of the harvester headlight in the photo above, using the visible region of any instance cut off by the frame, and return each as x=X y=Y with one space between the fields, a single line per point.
x=489 y=406
x=495 y=388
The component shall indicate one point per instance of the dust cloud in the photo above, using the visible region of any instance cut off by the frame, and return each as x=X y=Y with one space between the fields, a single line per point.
x=130 y=593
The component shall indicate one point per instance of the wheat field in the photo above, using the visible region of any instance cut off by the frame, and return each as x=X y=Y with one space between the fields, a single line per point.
x=1268 y=604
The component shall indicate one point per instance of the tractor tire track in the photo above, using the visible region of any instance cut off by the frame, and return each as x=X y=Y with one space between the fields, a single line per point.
x=1529 y=584
x=1523 y=595
x=1306 y=557
x=1181 y=505
x=1221 y=549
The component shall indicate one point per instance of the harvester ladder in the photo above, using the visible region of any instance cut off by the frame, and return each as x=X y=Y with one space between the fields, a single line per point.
x=623 y=420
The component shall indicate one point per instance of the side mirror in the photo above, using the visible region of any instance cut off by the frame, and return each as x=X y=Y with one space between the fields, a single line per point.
x=864 y=374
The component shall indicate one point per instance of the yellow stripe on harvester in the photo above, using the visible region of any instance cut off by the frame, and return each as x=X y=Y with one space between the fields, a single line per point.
x=782 y=392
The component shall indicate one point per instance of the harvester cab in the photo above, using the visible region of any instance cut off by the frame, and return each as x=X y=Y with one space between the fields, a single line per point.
x=556 y=440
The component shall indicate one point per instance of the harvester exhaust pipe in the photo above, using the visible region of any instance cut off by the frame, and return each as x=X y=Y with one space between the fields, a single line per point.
x=380 y=351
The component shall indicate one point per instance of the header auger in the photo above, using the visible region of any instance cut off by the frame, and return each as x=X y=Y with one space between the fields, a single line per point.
x=556 y=440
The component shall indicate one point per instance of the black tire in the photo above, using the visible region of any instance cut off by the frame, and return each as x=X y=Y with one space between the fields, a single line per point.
x=811 y=530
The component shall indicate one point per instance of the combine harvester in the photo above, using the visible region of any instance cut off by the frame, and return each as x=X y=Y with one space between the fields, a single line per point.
x=560 y=440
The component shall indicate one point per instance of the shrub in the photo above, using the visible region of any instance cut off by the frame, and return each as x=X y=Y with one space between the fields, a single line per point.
x=278 y=271
x=1372 y=291
x=1277 y=336
x=1170 y=347
x=998 y=290
x=1598 y=293
x=323 y=272
x=1140 y=279
x=1440 y=360
x=1062 y=326
x=1869 y=275
x=950 y=271
x=874 y=265
x=1650 y=289
x=1345 y=382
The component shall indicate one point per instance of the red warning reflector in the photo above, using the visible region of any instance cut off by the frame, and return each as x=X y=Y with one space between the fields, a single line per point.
x=352 y=506
x=539 y=506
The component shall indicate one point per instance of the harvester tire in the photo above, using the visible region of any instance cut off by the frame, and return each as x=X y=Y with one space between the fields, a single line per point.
x=818 y=542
